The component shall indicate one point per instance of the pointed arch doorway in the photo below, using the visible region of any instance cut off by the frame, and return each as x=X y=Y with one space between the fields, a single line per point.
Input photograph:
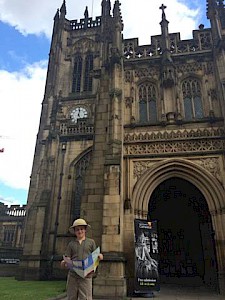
x=186 y=241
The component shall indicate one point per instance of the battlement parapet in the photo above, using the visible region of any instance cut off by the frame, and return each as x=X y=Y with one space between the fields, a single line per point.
x=201 y=42
x=13 y=210
x=84 y=23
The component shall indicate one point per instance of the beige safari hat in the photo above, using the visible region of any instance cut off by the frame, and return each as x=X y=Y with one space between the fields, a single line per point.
x=79 y=222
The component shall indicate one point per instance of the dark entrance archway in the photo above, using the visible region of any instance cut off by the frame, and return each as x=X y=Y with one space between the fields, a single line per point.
x=186 y=241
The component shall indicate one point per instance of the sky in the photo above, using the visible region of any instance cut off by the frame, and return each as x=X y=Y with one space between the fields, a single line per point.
x=25 y=32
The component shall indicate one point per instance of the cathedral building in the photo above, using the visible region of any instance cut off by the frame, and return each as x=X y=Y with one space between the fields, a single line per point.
x=131 y=131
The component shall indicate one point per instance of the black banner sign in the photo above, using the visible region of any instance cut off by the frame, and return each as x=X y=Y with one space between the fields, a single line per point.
x=146 y=257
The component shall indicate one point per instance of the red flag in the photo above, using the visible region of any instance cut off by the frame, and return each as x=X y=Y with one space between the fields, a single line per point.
x=2 y=150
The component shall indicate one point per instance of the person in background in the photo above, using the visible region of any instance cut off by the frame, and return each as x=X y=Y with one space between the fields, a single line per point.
x=79 y=248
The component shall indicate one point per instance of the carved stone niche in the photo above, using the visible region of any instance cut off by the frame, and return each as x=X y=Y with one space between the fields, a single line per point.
x=168 y=78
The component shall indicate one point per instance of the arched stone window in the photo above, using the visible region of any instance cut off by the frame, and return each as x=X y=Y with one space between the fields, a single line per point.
x=9 y=233
x=77 y=73
x=87 y=75
x=82 y=79
x=147 y=103
x=192 y=99
x=80 y=169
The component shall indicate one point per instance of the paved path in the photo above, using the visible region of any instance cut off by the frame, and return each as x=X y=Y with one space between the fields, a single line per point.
x=172 y=292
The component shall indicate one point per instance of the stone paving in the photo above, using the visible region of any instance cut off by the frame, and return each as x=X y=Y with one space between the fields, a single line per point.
x=172 y=292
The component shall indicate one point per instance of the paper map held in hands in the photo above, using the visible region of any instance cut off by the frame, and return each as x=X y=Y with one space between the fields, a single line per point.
x=85 y=266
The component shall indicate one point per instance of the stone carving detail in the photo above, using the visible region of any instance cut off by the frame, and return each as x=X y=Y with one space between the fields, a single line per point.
x=140 y=167
x=115 y=93
x=211 y=164
x=129 y=101
x=115 y=117
x=170 y=147
x=141 y=73
x=81 y=128
x=174 y=141
x=174 y=134
x=83 y=45
x=187 y=68
x=128 y=76
x=207 y=68
x=213 y=94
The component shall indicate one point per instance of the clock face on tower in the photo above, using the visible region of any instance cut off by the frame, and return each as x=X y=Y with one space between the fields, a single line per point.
x=78 y=113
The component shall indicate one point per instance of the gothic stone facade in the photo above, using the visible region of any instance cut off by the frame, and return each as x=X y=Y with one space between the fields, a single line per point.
x=12 y=221
x=130 y=131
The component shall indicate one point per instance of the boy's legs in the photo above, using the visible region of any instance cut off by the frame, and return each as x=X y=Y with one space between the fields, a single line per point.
x=72 y=287
x=85 y=289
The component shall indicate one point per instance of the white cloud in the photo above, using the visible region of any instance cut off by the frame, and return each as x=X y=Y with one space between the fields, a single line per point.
x=141 y=18
x=36 y=16
x=20 y=101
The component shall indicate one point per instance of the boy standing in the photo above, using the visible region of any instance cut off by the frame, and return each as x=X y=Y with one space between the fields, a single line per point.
x=79 y=248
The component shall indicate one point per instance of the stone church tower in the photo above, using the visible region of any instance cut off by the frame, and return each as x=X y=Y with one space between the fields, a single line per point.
x=130 y=131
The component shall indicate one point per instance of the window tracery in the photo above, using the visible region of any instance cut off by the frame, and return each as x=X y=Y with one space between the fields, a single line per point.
x=82 y=79
x=192 y=98
x=87 y=75
x=80 y=170
x=77 y=71
x=147 y=103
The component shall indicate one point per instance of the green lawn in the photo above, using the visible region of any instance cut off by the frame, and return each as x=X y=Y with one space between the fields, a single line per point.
x=11 y=289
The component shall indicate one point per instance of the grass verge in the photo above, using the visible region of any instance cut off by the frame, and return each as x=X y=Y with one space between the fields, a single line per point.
x=11 y=289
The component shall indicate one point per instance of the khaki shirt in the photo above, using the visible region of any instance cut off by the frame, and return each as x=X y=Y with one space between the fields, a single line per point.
x=78 y=251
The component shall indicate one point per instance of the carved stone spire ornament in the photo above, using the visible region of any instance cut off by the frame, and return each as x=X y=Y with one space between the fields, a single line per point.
x=221 y=12
x=86 y=13
x=63 y=8
x=106 y=8
x=166 y=55
x=116 y=49
x=56 y=17
x=163 y=7
x=216 y=19
x=86 y=17
x=117 y=11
